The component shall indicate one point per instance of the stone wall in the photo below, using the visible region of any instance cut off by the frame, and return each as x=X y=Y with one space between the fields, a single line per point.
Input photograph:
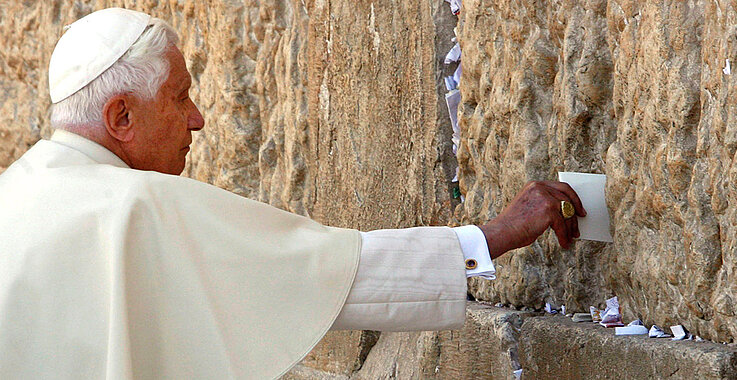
x=334 y=109
x=635 y=90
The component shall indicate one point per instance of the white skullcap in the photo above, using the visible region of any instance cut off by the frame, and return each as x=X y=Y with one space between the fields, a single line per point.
x=90 y=46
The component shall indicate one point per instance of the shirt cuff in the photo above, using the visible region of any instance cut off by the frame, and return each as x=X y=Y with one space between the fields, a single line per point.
x=475 y=251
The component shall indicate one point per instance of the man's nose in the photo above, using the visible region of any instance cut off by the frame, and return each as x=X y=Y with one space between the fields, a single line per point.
x=195 y=121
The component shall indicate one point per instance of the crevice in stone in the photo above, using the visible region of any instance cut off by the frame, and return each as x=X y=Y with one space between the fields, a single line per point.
x=367 y=342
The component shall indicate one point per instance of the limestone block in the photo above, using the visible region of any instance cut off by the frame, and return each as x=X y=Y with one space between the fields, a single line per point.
x=486 y=348
x=557 y=348
x=341 y=353
x=24 y=95
x=536 y=100
x=376 y=159
x=635 y=90
x=496 y=341
x=671 y=193
x=300 y=372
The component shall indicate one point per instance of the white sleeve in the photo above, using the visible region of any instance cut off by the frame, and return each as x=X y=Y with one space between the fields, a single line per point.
x=411 y=279
x=475 y=252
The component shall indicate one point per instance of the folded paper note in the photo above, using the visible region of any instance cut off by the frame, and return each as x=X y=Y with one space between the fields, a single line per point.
x=611 y=316
x=454 y=55
x=680 y=333
x=457 y=74
x=630 y=330
x=453 y=99
x=590 y=188
x=455 y=6
x=657 y=332
x=595 y=314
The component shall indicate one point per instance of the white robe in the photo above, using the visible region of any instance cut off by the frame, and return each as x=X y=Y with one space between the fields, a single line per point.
x=109 y=272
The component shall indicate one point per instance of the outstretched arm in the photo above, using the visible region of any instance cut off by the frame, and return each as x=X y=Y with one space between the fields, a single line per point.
x=415 y=279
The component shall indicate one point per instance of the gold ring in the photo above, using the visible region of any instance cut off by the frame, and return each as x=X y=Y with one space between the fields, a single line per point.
x=566 y=208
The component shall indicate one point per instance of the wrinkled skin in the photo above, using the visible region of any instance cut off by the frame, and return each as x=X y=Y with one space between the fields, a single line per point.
x=154 y=134
x=535 y=209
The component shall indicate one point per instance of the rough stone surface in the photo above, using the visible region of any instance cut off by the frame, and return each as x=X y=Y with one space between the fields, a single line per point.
x=557 y=348
x=631 y=89
x=536 y=90
x=333 y=109
x=486 y=348
x=496 y=341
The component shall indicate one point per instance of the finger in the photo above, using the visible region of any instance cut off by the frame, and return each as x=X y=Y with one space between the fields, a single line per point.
x=572 y=196
x=561 y=230
x=571 y=223
x=574 y=227
x=556 y=221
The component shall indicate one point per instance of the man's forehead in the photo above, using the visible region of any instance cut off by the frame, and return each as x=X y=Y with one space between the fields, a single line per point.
x=178 y=75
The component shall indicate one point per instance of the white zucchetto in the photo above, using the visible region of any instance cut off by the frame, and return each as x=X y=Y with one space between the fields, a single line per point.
x=90 y=46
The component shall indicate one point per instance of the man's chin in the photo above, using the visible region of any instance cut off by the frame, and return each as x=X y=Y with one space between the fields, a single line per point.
x=182 y=162
x=175 y=169
x=180 y=168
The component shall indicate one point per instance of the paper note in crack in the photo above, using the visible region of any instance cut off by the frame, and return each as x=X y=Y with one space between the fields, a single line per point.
x=590 y=188
x=454 y=55
x=453 y=99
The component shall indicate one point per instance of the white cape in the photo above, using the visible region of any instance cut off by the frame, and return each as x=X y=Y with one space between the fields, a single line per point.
x=110 y=272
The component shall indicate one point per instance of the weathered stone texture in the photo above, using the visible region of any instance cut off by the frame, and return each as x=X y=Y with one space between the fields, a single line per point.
x=24 y=94
x=496 y=341
x=536 y=100
x=303 y=101
x=486 y=348
x=631 y=89
x=556 y=348
x=377 y=161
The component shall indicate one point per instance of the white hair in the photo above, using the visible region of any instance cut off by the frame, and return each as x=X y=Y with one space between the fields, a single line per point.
x=140 y=71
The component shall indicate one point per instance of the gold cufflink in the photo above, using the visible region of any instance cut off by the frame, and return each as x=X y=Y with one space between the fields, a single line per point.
x=471 y=264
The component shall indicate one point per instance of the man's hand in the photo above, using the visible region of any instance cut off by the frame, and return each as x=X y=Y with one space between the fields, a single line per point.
x=532 y=211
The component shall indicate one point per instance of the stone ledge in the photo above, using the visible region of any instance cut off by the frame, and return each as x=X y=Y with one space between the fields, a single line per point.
x=556 y=347
x=495 y=341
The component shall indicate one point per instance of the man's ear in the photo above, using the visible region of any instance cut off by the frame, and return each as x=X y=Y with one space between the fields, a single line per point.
x=116 y=114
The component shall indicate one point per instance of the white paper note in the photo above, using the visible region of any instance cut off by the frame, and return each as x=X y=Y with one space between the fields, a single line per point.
x=454 y=55
x=457 y=75
x=590 y=188
x=679 y=333
x=630 y=330
x=455 y=6
x=452 y=99
x=450 y=83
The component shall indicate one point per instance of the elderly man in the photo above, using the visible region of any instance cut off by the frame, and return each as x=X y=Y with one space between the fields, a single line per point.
x=111 y=265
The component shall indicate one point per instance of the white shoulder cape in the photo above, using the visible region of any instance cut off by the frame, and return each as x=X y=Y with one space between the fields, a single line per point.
x=110 y=272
